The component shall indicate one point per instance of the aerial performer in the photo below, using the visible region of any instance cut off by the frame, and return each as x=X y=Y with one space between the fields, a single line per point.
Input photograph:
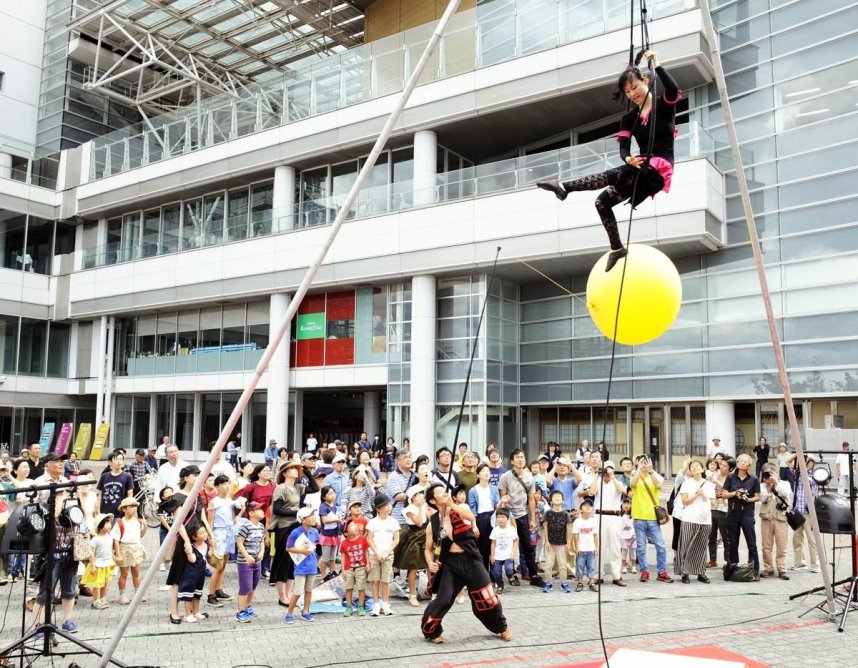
x=653 y=166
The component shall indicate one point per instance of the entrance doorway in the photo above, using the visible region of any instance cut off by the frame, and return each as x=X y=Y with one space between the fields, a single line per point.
x=339 y=415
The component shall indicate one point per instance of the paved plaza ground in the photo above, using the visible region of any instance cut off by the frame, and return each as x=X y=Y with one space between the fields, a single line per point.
x=755 y=619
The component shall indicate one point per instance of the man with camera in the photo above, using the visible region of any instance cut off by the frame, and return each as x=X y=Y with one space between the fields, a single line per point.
x=646 y=487
x=607 y=493
x=775 y=501
x=742 y=491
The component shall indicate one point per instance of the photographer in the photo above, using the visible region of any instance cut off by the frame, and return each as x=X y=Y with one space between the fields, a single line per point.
x=742 y=491
x=775 y=500
x=607 y=493
x=646 y=487
x=801 y=503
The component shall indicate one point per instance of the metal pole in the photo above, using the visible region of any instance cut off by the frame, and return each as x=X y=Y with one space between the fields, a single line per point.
x=721 y=81
x=281 y=332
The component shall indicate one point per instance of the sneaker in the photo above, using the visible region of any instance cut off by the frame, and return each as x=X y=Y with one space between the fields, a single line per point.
x=376 y=609
x=593 y=587
x=289 y=619
x=798 y=567
x=266 y=574
x=250 y=611
x=222 y=595
x=783 y=576
x=644 y=576
x=307 y=616
x=547 y=588
x=537 y=581
x=625 y=571
x=348 y=611
x=814 y=569
x=579 y=587
x=213 y=602
x=634 y=570
x=361 y=612
x=242 y=617
x=515 y=582
x=124 y=600
x=165 y=588
x=664 y=576
x=499 y=589
x=385 y=609
x=208 y=572
x=162 y=568
x=69 y=626
x=565 y=588
x=190 y=619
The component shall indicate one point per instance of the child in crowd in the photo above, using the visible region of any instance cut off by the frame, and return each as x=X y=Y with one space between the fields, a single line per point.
x=166 y=507
x=193 y=578
x=221 y=518
x=128 y=550
x=382 y=535
x=504 y=548
x=209 y=490
x=301 y=545
x=355 y=515
x=411 y=557
x=585 y=532
x=330 y=538
x=354 y=550
x=249 y=542
x=558 y=536
x=628 y=541
x=99 y=572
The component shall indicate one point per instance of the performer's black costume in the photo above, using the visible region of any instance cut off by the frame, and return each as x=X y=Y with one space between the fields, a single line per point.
x=619 y=183
x=457 y=570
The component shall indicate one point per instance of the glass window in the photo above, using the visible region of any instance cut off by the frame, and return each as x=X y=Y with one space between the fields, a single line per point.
x=12 y=227
x=146 y=336
x=40 y=242
x=237 y=209
x=403 y=176
x=342 y=178
x=192 y=224
x=373 y=197
x=141 y=422
x=232 y=348
x=314 y=197
x=151 y=228
x=64 y=241
x=213 y=210
x=166 y=342
x=210 y=427
x=8 y=342
x=130 y=236
x=33 y=348
x=171 y=216
x=123 y=421
x=257 y=325
x=261 y=207
x=58 y=350
x=184 y=421
x=210 y=328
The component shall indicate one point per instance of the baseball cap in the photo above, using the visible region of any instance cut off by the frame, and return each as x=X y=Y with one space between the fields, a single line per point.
x=308 y=456
x=544 y=456
x=305 y=512
x=587 y=502
x=609 y=465
x=338 y=458
x=812 y=457
x=414 y=489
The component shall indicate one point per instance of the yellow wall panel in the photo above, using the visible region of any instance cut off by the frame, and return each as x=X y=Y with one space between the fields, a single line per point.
x=382 y=18
x=416 y=13
x=388 y=17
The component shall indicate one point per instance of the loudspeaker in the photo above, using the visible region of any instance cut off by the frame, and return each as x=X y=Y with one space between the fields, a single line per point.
x=833 y=514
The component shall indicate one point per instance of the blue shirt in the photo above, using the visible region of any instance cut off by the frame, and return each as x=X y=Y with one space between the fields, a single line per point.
x=494 y=478
x=568 y=487
x=310 y=564
x=340 y=483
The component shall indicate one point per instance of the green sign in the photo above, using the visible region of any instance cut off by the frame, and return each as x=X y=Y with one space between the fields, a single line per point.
x=311 y=326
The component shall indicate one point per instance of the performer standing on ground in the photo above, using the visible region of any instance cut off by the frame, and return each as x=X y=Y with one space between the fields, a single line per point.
x=653 y=171
x=457 y=563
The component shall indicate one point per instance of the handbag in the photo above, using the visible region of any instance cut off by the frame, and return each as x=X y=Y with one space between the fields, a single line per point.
x=661 y=514
x=214 y=560
x=795 y=519
x=81 y=547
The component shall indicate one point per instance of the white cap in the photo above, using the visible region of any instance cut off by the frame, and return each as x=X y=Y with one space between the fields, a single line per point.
x=609 y=465
x=414 y=489
x=338 y=458
x=305 y=512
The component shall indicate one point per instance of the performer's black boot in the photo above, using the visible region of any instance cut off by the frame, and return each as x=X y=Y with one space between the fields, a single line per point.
x=604 y=203
x=554 y=186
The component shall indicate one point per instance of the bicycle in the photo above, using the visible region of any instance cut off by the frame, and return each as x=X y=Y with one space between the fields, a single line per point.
x=148 y=502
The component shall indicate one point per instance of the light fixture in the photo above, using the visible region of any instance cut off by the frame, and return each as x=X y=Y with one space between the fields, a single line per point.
x=32 y=518
x=821 y=475
x=71 y=514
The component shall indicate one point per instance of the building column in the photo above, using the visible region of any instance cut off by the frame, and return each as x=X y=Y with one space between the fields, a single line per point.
x=423 y=324
x=5 y=166
x=283 y=199
x=78 y=248
x=99 y=343
x=298 y=422
x=721 y=422
x=425 y=167
x=277 y=407
x=371 y=413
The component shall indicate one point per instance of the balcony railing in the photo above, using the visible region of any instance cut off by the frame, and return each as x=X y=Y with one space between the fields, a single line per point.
x=476 y=38
x=488 y=179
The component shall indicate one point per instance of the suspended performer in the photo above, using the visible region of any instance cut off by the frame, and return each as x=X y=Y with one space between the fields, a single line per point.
x=652 y=169
x=454 y=561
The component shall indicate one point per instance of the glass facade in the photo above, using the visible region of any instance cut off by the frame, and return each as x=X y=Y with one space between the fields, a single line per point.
x=29 y=243
x=21 y=425
x=41 y=349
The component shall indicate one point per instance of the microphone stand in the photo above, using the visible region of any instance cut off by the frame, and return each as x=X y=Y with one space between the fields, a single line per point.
x=47 y=629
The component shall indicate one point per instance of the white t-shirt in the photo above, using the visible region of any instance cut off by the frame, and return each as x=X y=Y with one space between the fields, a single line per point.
x=842 y=463
x=414 y=510
x=130 y=530
x=586 y=531
x=382 y=533
x=168 y=475
x=503 y=540
x=700 y=510
x=311 y=444
x=782 y=460
x=612 y=499
x=484 y=499
x=102 y=547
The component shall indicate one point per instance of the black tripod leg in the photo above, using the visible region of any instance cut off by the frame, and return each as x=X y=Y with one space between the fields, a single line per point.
x=847 y=606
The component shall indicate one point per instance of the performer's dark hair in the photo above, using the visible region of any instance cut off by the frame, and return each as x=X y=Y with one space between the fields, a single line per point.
x=430 y=494
x=628 y=75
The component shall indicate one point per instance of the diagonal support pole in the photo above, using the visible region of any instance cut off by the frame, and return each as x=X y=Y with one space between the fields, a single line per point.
x=721 y=82
x=282 y=329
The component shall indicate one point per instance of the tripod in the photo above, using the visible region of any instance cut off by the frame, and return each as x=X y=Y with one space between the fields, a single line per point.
x=46 y=633
x=849 y=597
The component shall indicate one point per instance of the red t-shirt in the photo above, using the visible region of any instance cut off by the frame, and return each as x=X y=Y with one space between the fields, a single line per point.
x=354 y=553
x=360 y=521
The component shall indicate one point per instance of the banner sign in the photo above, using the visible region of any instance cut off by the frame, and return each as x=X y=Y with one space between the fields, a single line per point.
x=311 y=326
x=63 y=439
x=47 y=437
x=100 y=441
x=81 y=443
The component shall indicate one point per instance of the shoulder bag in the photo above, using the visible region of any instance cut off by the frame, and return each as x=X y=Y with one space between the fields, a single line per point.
x=661 y=514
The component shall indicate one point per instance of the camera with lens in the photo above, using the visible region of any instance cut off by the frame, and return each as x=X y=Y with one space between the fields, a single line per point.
x=742 y=495
x=767 y=475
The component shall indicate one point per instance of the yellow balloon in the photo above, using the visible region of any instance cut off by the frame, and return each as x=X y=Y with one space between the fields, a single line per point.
x=652 y=295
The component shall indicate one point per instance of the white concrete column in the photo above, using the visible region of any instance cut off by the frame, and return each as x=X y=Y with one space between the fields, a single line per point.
x=5 y=166
x=423 y=324
x=78 y=248
x=108 y=376
x=371 y=413
x=99 y=334
x=721 y=422
x=74 y=334
x=277 y=409
x=425 y=167
x=298 y=422
x=283 y=198
x=154 y=436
